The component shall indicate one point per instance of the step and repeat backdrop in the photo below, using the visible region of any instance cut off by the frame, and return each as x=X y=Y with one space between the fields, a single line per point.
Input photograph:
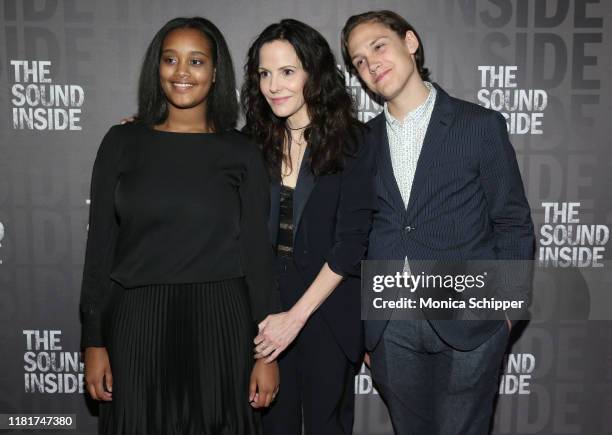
x=69 y=69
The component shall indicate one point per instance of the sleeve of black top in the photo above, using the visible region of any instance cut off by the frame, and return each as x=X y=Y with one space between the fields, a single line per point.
x=354 y=215
x=256 y=251
x=101 y=237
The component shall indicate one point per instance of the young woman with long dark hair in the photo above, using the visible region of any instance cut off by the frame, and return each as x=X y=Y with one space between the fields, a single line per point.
x=322 y=198
x=178 y=268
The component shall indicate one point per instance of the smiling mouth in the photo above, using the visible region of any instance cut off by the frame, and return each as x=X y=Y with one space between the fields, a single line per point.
x=183 y=85
x=279 y=100
x=381 y=76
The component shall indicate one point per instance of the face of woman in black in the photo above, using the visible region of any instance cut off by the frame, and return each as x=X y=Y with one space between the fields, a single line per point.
x=186 y=69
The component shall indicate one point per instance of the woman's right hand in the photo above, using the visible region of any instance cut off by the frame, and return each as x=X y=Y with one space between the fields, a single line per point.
x=129 y=119
x=97 y=370
x=264 y=384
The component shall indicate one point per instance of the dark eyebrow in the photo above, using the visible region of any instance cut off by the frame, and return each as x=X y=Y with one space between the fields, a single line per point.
x=171 y=50
x=279 y=68
x=287 y=66
x=376 y=40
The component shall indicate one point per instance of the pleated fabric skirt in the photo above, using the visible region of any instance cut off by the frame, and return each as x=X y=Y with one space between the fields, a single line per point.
x=181 y=357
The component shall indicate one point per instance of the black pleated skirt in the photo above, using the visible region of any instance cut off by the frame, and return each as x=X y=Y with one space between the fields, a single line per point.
x=181 y=357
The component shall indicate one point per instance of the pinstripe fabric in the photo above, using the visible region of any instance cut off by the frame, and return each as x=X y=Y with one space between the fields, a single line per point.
x=467 y=200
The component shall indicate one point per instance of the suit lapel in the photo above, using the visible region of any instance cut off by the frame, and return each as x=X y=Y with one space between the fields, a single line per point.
x=383 y=161
x=305 y=183
x=273 y=218
x=441 y=119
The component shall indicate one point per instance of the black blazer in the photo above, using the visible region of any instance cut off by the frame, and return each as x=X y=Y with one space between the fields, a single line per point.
x=466 y=203
x=332 y=217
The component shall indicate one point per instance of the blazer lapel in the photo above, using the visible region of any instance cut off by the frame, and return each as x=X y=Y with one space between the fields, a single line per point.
x=273 y=218
x=305 y=183
x=383 y=161
x=441 y=119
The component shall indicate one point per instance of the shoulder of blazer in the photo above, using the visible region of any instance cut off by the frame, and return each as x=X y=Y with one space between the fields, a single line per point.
x=362 y=149
x=374 y=130
x=374 y=123
x=467 y=110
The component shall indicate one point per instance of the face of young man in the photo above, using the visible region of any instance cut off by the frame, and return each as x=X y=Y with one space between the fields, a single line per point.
x=384 y=61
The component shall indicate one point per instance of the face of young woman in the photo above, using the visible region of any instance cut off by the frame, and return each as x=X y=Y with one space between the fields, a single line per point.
x=281 y=81
x=186 y=69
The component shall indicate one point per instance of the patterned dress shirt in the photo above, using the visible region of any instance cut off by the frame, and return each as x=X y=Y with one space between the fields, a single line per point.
x=406 y=140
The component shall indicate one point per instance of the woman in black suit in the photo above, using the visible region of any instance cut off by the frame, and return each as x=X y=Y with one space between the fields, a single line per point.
x=299 y=111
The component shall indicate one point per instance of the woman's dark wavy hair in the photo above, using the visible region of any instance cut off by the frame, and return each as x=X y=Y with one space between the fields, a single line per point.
x=393 y=21
x=332 y=131
x=222 y=103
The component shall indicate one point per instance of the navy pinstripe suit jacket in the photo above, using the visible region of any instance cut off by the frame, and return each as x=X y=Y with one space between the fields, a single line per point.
x=467 y=203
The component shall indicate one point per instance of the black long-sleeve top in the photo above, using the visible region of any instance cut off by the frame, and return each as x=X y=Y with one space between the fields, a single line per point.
x=170 y=208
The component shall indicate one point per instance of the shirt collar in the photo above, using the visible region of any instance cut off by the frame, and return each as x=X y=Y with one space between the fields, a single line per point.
x=419 y=115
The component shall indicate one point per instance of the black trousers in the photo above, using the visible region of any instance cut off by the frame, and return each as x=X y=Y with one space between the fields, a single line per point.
x=316 y=378
x=433 y=389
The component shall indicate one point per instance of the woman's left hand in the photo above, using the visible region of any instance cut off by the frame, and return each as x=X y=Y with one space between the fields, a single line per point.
x=276 y=332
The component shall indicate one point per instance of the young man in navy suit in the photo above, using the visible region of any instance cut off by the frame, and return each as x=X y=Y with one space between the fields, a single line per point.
x=449 y=189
